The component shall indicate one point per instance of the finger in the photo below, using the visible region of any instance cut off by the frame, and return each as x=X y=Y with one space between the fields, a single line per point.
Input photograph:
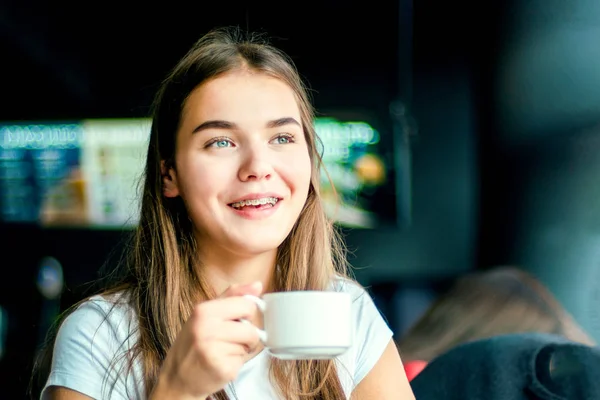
x=254 y=289
x=243 y=333
x=231 y=308
x=228 y=349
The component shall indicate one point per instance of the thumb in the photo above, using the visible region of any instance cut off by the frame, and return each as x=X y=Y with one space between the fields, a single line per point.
x=254 y=289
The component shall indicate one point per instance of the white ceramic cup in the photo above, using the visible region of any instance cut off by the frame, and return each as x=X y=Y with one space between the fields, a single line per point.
x=303 y=325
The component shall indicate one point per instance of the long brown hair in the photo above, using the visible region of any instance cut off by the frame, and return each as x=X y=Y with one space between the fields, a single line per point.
x=161 y=273
x=483 y=304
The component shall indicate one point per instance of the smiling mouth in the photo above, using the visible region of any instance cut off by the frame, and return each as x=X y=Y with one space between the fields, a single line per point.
x=266 y=202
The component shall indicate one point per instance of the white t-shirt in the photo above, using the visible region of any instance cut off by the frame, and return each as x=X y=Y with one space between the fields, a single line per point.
x=91 y=343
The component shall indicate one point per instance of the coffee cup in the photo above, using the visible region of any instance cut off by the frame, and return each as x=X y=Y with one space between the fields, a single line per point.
x=301 y=325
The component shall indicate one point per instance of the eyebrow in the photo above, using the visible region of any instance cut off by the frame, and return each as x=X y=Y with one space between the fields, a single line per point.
x=220 y=124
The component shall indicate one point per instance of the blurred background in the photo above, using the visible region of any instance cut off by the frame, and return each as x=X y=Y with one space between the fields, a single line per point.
x=460 y=136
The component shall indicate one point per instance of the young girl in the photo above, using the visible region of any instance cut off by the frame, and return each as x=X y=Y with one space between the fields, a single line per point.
x=230 y=207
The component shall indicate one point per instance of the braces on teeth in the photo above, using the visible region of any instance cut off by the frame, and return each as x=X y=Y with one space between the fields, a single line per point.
x=255 y=202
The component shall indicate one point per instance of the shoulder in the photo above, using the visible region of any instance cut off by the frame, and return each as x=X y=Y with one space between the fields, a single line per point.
x=99 y=314
x=364 y=308
x=97 y=329
x=371 y=334
x=357 y=292
x=92 y=347
x=106 y=305
x=346 y=285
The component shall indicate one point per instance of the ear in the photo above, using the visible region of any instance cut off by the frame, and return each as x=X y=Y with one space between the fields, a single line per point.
x=169 y=180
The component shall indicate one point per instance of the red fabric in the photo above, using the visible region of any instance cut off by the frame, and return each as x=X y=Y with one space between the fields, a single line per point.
x=413 y=368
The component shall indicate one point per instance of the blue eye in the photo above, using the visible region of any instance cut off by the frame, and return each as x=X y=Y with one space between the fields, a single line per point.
x=284 y=139
x=221 y=143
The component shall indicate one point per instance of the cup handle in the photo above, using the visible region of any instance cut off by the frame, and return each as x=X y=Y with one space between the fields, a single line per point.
x=262 y=306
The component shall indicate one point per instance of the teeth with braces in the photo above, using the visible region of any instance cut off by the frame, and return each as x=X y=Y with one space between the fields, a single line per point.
x=255 y=202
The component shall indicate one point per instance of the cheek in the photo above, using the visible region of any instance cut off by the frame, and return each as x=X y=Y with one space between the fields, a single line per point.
x=297 y=170
x=201 y=182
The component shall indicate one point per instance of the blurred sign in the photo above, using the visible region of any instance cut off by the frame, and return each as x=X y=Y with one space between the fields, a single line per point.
x=87 y=173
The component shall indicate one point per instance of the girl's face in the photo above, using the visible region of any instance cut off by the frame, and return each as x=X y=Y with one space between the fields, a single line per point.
x=242 y=164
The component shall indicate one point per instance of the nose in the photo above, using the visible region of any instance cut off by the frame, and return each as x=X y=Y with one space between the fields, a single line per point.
x=255 y=165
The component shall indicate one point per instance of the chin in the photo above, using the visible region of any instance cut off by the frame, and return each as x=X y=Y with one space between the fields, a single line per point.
x=258 y=243
x=256 y=249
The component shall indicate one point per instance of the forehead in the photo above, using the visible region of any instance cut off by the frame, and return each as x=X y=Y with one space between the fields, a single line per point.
x=242 y=97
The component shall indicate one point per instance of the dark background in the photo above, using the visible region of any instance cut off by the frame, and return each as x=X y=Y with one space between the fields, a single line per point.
x=500 y=99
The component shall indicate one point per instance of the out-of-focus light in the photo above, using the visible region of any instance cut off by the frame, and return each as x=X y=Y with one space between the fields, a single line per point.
x=50 y=278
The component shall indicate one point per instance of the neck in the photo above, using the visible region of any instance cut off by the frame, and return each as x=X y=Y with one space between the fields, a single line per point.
x=221 y=269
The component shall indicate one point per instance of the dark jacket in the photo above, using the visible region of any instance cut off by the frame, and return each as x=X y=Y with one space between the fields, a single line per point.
x=513 y=367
